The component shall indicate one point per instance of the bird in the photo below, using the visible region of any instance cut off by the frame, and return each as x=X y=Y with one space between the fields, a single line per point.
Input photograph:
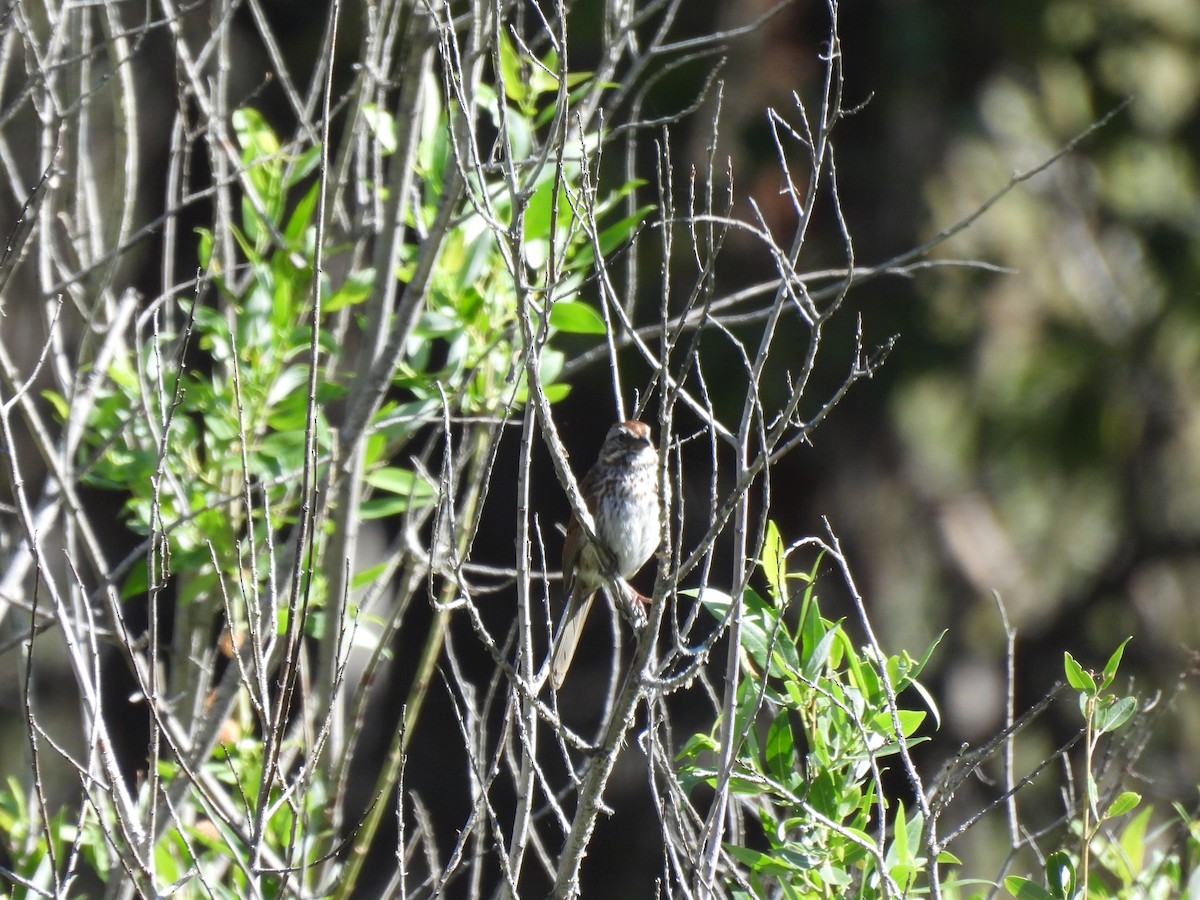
x=621 y=493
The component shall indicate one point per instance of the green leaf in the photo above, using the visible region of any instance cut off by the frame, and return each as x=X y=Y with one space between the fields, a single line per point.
x=910 y=721
x=384 y=507
x=772 y=558
x=302 y=166
x=920 y=666
x=820 y=654
x=1113 y=714
x=758 y=862
x=553 y=392
x=856 y=668
x=245 y=240
x=697 y=744
x=609 y=239
x=1060 y=875
x=1123 y=803
x=316 y=624
x=1133 y=843
x=205 y=246
x=356 y=289
x=511 y=70
x=716 y=602
x=904 y=874
x=763 y=628
x=745 y=712
x=543 y=81
x=1077 y=677
x=576 y=317
x=616 y=234
x=136 y=582
x=812 y=627
x=328 y=392
x=781 y=749
x=545 y=206
x=368 y=576
x=1024 y=889
x=901 y=852
x=581 y=87
x=863 y=674
x=577 y=78
x=254 y=135
x=396 y=481
x=59 y=402
x=383 y=126
x=399 y=481
x=747 y=787
x=896 y=668
x=1110 y=667
x=301 y=218
x=760 y=621
x=946 y=858
x=930 y=703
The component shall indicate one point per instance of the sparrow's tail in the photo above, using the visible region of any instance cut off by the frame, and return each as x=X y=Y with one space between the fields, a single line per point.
x=568 y=638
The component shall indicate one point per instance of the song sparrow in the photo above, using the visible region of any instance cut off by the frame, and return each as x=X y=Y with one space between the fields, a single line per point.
x=621 y=492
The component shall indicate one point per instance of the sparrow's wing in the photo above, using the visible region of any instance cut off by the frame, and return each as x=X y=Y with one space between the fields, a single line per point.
x=568 y=637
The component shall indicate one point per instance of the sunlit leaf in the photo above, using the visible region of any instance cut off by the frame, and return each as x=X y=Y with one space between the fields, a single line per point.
x=576 y=317
x=383 y=126
x=1110 y=667
x=1060 y=875
x=819 y=656
x=1122 y=804
x=1112 y=715
x=403 y=483
x=772 y=559
x=59 y=402
x=1025 y=889
x=354 y=289
x=1133 y=842
x=303 y=165
x=253 y=134
x=511 y=67
x=1077 y=677
x=368 y=576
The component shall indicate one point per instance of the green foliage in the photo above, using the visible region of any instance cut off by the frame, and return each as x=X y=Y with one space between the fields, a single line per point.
x=813 y=730
x=29 y=854
x=209 y=454
x=182 y=443
x=174 y=439
x=813 y=723
x=1111 y=863
x=1128 y=860
x=196 y=843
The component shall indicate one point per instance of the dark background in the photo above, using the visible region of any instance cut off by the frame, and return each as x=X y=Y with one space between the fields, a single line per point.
x=1035 y=432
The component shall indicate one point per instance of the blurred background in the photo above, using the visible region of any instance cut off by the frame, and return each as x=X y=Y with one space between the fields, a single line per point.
x=1036 y=431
